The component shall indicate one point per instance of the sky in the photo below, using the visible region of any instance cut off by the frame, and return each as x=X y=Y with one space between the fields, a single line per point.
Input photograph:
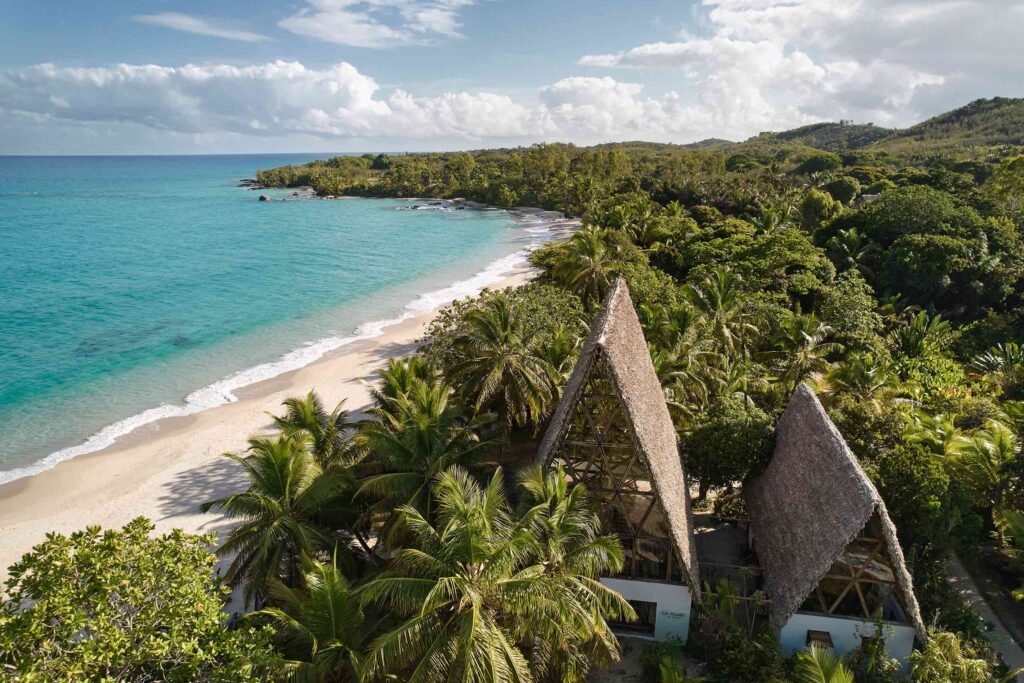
x=213 y=76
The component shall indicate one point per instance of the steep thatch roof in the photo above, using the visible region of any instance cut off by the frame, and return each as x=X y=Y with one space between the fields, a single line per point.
x=810 y=503
x=617 y=338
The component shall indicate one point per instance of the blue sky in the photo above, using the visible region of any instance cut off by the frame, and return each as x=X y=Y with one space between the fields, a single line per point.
x=155 y=76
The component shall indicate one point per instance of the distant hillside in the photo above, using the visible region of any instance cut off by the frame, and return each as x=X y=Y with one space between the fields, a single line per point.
x=709 y=142
x=835 y=137
x=662 y=146
x=982 y=123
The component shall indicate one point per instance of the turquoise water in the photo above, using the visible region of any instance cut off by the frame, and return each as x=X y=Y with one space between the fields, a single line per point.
x=133 y=288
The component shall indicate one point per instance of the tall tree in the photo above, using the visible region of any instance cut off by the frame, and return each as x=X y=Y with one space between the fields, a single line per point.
x=863 y=376
x=470 y=592
x=804 y=349
x=501 y=365
x=587 y=266
x=420 y=435
x=278 y=513
x=397 y=379
x=123 y=605
x=983 y=465
x=328 y=432
x=574 y=553
x=718 y=298
x=319 y=624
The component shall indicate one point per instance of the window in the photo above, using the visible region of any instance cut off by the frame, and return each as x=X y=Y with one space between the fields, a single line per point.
x=871 y=643
x=822 y=639
x=646 y=617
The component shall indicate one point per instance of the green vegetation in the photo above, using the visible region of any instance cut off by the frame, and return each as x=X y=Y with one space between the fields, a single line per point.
x=393 y=548
x=123 y=606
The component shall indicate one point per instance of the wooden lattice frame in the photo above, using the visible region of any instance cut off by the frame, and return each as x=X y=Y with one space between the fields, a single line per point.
x=855 y=577
x=600 y=451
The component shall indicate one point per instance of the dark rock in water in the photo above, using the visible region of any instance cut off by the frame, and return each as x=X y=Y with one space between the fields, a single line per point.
x=295 y=194
x=248 y=182
x=264 y=198
x=460 y=208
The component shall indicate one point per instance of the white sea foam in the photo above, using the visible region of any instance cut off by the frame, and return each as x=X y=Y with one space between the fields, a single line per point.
x=539 y=225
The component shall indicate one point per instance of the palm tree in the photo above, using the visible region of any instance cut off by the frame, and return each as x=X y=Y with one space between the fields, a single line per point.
x=471 y=592
x=895 y=309
x=850 y=249
x=983 y=464
x=450 y=587
x=818 y=665
x=1004 y=361
x=419 y=436
x=637 y=218
x=922 y=335
x=774 y=216
x=863 y=376
x=680 y=350
x=667 y=326
x=674 y=209
x=718 y=298
x=804 y=349
x=937 y=433
x=1000 y=358
x=279 y=512
x=397 y=379
x=587 y=266
x=328 y=432
x=560 y=350
x=500 y=364
x=574 y=553
x=319 y=624
x=725 y=377
x=947 y=659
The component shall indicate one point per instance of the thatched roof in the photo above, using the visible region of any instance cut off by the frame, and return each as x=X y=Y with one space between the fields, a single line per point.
x=617 y=338
x=809 y=504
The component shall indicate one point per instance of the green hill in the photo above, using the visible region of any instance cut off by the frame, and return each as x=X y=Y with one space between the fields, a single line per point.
x=835 y=137
x=709 y=142
x=982 y=123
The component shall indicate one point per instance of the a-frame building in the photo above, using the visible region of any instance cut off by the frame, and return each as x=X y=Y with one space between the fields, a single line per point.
x=613 y=434
x=833 y=569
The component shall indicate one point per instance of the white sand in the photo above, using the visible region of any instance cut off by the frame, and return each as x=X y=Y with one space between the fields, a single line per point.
x=167 y=469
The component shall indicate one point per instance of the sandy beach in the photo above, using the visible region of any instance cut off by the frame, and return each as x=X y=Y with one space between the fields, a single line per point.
x=167 y=469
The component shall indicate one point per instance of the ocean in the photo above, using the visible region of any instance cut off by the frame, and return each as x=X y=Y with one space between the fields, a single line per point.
x=137 y=288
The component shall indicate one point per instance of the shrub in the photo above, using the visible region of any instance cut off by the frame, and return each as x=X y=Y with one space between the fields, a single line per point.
x=844 y=189
x=120 y=605
x=880 y=186
x=948 y=659
x=729 y=442
x=819 y=163
x=816 y=208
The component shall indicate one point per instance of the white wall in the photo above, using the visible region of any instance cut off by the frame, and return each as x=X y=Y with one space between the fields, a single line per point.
x=673 y=600
x=846 y=634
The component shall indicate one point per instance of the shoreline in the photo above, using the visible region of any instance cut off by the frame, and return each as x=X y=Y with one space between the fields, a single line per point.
x=166 y=469
x=228 y=389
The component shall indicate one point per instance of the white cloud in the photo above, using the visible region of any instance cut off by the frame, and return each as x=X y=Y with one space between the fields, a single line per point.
x=760 y=65
x=378 y=23
x=203 y=27
x=287 y=98
x=777 y=63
